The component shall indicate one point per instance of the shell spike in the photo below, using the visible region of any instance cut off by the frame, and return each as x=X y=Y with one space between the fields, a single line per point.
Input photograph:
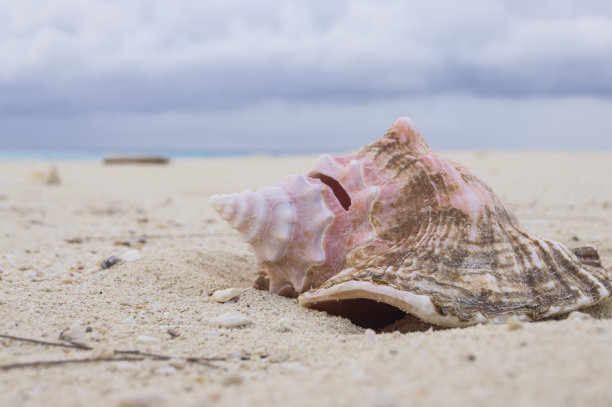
x=267 y=219
x=223 y=205
x=405 y=131
x=247 y=212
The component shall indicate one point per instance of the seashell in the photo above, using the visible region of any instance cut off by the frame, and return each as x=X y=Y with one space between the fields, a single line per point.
x=393 y=228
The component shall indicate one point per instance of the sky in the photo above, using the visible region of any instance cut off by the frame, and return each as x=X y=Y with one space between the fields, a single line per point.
x=307 y=75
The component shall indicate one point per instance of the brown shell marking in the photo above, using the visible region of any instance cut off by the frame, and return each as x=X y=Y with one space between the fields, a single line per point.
x=448 y=251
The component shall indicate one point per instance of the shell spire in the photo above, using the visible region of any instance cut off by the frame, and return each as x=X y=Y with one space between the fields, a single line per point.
x=265 y=219
x=284 y=225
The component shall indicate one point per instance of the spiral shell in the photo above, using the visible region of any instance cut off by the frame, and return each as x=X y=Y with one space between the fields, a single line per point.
x=393 y=225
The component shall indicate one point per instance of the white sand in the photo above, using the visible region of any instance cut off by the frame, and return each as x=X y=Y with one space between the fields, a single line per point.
x=288 y=355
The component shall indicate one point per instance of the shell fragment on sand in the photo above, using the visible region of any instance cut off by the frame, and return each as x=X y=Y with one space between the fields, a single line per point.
x=131 y=255
x=231 y=319
x=225 y=295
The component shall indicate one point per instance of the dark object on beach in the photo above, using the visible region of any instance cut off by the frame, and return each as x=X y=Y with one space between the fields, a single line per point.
x=53 y=178
x=136 y=242
x=136 y=159
x=75 y=240
x=110 y=262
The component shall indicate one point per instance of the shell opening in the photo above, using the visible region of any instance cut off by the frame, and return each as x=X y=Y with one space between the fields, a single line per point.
x=362 y=312
x=339 y=191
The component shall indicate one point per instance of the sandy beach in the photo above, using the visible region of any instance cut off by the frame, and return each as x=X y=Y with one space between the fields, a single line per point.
x=178 y=252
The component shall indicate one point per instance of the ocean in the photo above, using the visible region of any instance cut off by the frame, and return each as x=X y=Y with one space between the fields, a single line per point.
x=97 y=155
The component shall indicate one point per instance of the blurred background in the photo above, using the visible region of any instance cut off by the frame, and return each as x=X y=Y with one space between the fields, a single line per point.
x=193 y=76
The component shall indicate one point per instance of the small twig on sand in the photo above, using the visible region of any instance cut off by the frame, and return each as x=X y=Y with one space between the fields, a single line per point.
x=49 y=363
x=137 y=355
x=156 y=356
x=204 y=361
x=78 y=345
x=70 y=344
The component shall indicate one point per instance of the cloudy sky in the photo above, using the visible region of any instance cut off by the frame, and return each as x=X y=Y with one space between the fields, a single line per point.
x=304 y=75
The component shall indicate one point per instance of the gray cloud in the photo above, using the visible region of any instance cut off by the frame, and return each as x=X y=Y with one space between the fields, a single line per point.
x=447 y=122
x=62 y=57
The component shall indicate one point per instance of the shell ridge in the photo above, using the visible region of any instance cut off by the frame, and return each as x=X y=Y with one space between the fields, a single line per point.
x=428 y=282
x=341 y=228
x=573 y=269
x=308 y=248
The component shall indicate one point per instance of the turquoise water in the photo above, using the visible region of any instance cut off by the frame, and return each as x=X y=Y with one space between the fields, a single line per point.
x=97 y=155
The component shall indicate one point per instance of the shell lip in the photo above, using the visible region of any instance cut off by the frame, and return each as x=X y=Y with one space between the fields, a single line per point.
x=418 y=305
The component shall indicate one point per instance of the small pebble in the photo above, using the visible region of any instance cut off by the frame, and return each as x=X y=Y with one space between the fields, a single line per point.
x=110 y=262
x=75 y=240
x=173 y=332
x=233 y=355
x=369 y=332
x=75 y=332
x=178 y=364
x=278 y=357
x=513 y=324
x=147 y=339
x=579 y=316
x=231 y=380
x=231 y=319
x=370 y=336
x=225 y=295
x=284 y=325
x=68 y=281
x=131 y=255
x=282 y=328
x=241 y=354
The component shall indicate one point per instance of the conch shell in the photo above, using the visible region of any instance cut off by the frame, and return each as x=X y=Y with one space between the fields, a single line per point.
x=394 y=227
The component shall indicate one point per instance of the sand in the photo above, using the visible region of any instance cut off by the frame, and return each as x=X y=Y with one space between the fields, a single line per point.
x=54 y=237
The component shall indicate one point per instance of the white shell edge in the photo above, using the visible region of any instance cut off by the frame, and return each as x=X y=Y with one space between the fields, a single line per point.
x=415 y=304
